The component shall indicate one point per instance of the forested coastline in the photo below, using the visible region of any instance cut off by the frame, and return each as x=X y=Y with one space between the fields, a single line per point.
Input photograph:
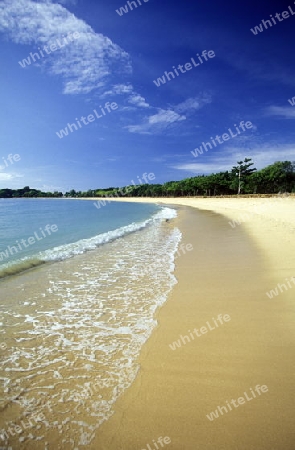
x=242 y=179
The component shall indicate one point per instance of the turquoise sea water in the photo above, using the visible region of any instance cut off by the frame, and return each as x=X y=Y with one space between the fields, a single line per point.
x=72 y=328
x=36 y=230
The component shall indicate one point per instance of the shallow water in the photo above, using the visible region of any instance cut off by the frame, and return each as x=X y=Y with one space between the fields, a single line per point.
x=72 y=332
x=35 y=231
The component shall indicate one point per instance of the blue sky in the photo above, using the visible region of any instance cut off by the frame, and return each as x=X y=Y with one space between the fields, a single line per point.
x=116 y=58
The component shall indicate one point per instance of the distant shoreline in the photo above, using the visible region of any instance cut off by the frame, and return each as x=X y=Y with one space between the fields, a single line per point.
x=241 y=196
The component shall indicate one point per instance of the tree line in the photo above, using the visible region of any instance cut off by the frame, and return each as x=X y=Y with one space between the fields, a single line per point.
x=241 y=179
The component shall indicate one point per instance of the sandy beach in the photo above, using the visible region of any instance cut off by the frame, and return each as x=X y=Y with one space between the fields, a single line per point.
x=235 y=354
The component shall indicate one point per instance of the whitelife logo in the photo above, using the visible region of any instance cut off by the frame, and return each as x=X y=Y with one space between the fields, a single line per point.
x=267 y=23
x=59 y=43
x=10 y=158
x=124 y=9
x=274 y=293
x=241 y=401
x=73 y=127
x=203 y=330
x=242 y=218
x=188 y=66
x=221 y=139
x=128 y=189
x=31 y=240
x=12 y=430
x=160 y=440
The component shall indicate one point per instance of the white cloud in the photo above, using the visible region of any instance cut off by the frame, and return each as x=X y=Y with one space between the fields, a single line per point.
x=141 y=129
x=193 y=103
x=269 y=154
x=9 y=176
x=165 y=118
x=157 y=122
x=65 y=2
x=284 y=111
x=133 y=97
x=119 y=89
x=85 y=64
x=262 y=156
x=202 y=168
x=50 y=188
x=138 y=100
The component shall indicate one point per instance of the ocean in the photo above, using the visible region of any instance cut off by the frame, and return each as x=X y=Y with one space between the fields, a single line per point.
x=72 y=326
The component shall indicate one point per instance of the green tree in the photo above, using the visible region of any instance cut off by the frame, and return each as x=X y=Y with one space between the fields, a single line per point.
x=242 y=171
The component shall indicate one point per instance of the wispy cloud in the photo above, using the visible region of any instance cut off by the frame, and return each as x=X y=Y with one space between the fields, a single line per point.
x=66 y=2
x=87 y=63
x=194 y=103
x=51 y=188
x=91 y=62
x=138 y=100
x=201 y=168
x=119 y=89
x=281 y=111
x=9 y=176
x=132 y=96
x=157 y=122
x=224 y=160
x=167 y=118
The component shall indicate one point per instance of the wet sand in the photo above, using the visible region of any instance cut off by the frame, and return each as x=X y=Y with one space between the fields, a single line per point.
x=72 y=332
x=228 y=272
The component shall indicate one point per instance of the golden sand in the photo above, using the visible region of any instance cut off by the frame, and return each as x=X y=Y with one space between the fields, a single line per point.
x=228 y=272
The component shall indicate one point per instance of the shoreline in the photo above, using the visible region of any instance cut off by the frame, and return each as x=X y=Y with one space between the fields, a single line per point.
x=256 y=215
x=218 y=334
x=228 y=273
